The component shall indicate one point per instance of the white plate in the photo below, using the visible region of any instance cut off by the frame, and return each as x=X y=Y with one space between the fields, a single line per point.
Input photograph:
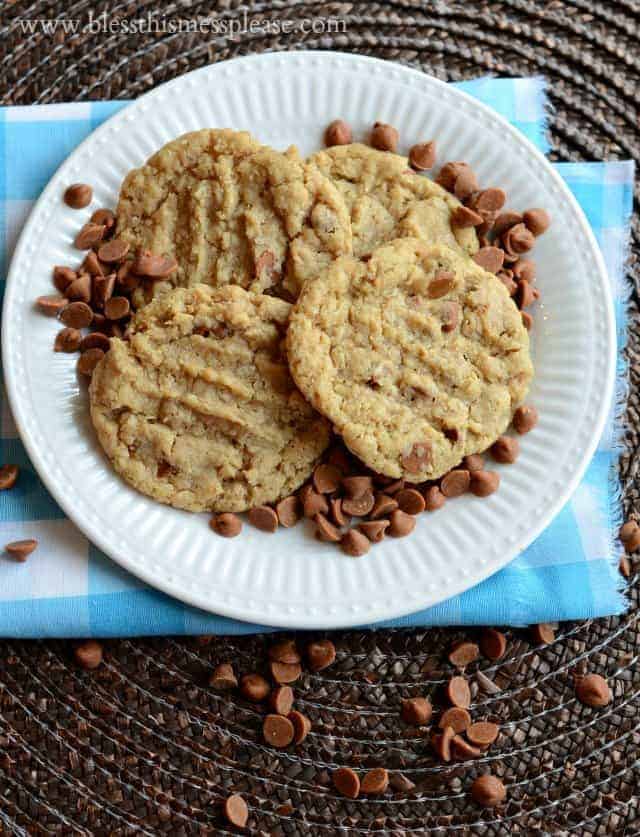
x=288 y=579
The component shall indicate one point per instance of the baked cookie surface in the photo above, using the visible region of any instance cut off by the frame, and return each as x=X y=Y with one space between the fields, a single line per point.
x=198 y=409
x=418 y=357
x=387 y=200
x=232 y=211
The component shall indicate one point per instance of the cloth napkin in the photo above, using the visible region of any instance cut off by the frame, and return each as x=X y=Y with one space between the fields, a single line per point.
x=68 y=588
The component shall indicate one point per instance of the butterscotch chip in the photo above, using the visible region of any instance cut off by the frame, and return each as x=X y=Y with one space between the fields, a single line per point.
x=8 y=476
x=434 y=499
x=356 y=487
x=95 y=340
x=628 y=530
x=374 y=529
x=117 y=308
x=78 y=195
x=314 y=504
x=254 y=687
x=537 y=221
x=442 y=744
x=484 y=483
x=326 y=479
x=458 y=692
x=278 y=731
x=320 y=654
x=462 y=750
x=375 y=781
x=384 y=137
x=493 y=644
x=354 y=543
x=542 y=634
x=524 y=419
x=593 y=690
x=226 y=524
x=236 y=811
x=422 y=156
x=76 y=315
x=223 y=678
x=455 y=483
x=288 y=511
x=88 y=361
x=525 y=270
x=337 y=513
x=358 y=506
x=517 y=240
x=401 y=524
x=51 y=304
x=105 y=218
x=383 y=506
x=463 y=653
x=281 y=700
x=263 y=518
x=489 y=258
x=89 y=236
x=20 y=550
x=338 y=133
x=416 y=711
x=88 y=654
x=506 y=219
x=456 y=718
x=326 y=531
x=346 y=782
x=67 y=340
x=410 y=501
x=79 y=289
x=488 y=791
x=505 y=450
x=63 y=277
x=301 y=726
x=113 y=251
x=285 y=672
x=483 y=733
x=285 y=652
x=473 y=462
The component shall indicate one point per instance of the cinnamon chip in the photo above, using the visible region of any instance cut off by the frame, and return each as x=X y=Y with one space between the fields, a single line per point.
x=8 y=476
x=51 y=304
x=463 y=653
x=338 y=133
x=490 y=200
x=473 y=462
x=543 y=633
x=284 y=673
x=20 y=550
x=525 y=295
x=489 y=258
x=505 y=450
x=505 y=220
x=95 y=340
x=346 y=782
x=281 y=700
x=455 y=483
x=464 y=216
x=89 y=236
x=416 y=711
x=314 y=503
x=375 y=781
x=80 y=289
x=410 y=501
x=301 y=726
x=524 y=419
x=263 y=518
x=103 y=289
x=117 y=308
x=76 y=315
x=493 y=644
x=401 y=524
x=450 y=315
x=67 y=340
x=113 y=251
x=236 y=811
x=422 y=156
x=285 y=651
x=337 y=514
x=384 y=137
x=434 y=499
x=537 y=221
x=488 y=791
x=326 y=531
x=483 y=733
x=462 y=750
x=484 y=483
x=374 y=529
x=354 y=543
x=383 y=506
x=288 y=511
x=359 y=506
x=104 y=217
x=277 y=731
x=356 y=487
x=78 y=195
x=458 y=692
x=465 y=184
x=593 y=690
x=88 y=361
x=525 y=270
x=63 y=277
x=222 y=678
x=518 y=239
x=226 y=524
x=254 y=687
x=441 y=284
x=417 y=458
x=456 y=718
x=152 y=266
x=320 y=654
x=442 y=744
x=326 y=478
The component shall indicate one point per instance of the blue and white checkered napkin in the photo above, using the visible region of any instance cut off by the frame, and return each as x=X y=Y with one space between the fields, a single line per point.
x=68 y=588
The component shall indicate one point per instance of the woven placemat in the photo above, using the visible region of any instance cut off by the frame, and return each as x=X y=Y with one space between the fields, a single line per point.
x=141 y=745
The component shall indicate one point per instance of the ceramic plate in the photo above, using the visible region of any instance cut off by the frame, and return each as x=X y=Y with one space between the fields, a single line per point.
x=288 y=579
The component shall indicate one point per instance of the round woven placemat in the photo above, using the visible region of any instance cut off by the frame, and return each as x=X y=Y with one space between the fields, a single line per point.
x=142 y=745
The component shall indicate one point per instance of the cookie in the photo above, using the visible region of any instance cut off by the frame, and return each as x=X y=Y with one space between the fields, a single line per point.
x=387 y=200
x=197 y=408
x=231 y=211
x=418 y=357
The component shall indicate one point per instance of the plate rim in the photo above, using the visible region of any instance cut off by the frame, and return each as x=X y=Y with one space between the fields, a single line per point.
x=300 y=620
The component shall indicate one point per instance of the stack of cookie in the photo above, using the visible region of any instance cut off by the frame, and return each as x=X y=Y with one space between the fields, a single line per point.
x=343 y=300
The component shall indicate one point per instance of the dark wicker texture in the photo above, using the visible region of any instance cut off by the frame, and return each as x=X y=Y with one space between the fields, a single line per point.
x=142 y=745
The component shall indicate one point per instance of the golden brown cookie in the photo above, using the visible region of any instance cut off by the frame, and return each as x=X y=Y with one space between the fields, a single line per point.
x=198 y=409
x=418 y=357
x=387 y=199
x=232 y=211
